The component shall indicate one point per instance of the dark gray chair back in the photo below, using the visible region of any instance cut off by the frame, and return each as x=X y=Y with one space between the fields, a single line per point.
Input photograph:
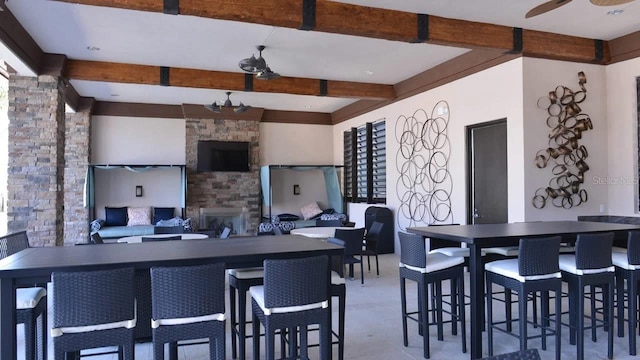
x=188 y=291
x=83 y=298
x=168 y=229
x=374 y=230
x=166 y=238
x=292 y=282
x=352 y=240
x=593 y=251
x=412 y=250
x=277 y=230
x=539 y=256
x=12 y=243
x=633 y=247
x=96 y=238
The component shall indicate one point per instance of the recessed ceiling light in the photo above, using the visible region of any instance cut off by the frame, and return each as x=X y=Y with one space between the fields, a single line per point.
x=115 y=95
x=615 y=12
x=93 y=48
x=308 y=107
x=368 y=72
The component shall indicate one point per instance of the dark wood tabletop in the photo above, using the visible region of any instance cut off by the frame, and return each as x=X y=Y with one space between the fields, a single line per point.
x=478 y=236
x=35 y=265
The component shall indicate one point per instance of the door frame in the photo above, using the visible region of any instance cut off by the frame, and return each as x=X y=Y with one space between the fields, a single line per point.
x=469 y=165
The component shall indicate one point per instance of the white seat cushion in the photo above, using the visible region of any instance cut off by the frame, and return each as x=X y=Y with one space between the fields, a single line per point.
x=621 y=260
x=617 y=249
x=129 y=324
x=28 y=298
x=257 y=293
x=568 y=264
x=248 y=273
x=503 y=250
x=336 y=279
x=509 y=268
x=156 y=323
x=435 y=262
x=455 y=251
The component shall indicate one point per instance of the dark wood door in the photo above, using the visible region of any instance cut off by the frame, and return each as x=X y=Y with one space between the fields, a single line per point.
x=487 y=173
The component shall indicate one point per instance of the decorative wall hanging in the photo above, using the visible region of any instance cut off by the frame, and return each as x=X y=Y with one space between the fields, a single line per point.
x=424 y=185
x=565 y=156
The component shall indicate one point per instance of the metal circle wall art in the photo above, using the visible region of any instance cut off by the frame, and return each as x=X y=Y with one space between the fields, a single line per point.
x=424 y=185
x=564 y=155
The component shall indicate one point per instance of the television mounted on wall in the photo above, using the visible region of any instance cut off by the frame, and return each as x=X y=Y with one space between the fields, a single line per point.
x=223 y=155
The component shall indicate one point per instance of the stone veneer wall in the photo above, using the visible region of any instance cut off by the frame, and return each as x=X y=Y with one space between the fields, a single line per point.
x=77 y=153
x=36 y=158
x=223 y=189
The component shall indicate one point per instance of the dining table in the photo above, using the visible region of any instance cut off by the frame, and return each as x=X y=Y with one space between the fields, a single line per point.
x=319 y=232
x=35 y=265
x=479 y=236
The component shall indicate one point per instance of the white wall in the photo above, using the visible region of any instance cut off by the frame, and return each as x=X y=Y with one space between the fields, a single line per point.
x=489 y=95
x=137 y=141
x=622 y=130
x=312 y=188
x=541 y=77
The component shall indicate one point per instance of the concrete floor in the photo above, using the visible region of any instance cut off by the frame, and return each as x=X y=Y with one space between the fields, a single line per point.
x=374 y=329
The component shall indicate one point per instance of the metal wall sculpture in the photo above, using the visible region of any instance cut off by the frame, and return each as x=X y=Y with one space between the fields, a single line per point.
x=565 y=156
x=424 y=185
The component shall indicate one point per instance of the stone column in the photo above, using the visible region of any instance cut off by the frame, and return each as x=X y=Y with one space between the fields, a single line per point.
x=36 y=158
x=77 y=153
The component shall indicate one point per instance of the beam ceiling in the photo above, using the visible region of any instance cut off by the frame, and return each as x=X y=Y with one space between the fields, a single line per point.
x=348 y=19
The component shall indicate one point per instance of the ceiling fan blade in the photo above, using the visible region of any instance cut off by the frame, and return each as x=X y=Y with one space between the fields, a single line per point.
x=609 y=2
x=546 y=7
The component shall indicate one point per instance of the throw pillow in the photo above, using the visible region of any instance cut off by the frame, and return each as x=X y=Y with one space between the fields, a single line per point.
x=162 y=213
x=139 y=216
x=115 y=216
x=310 y=210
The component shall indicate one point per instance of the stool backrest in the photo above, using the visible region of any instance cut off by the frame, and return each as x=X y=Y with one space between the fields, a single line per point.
x=12 y=243
x=593 y=251
x=187 y=291
x=292 y=282
x=412 y=250
x=85 y=298
x=633 y=247
x=96 y=239
x=352 y=240
x=539 y=256
x=374 y=230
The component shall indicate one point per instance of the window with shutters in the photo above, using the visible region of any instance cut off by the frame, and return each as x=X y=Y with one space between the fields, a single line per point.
x=365 y=163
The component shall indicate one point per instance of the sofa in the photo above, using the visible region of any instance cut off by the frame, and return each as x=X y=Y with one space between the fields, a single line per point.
x=133 y=221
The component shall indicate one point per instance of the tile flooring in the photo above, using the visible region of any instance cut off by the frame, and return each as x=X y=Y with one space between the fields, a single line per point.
x=373 y=329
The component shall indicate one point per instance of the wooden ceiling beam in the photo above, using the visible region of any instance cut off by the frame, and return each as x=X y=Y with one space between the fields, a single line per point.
x=349 y=19
x=204 y=79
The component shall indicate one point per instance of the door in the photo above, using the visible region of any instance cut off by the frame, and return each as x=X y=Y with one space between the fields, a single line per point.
x=487 y=173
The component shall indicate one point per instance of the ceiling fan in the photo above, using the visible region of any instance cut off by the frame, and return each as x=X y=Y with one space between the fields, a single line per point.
x=227 y=104
x=554 y=4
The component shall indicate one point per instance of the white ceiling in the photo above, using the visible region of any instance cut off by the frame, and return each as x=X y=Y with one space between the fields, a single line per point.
x=190 y=42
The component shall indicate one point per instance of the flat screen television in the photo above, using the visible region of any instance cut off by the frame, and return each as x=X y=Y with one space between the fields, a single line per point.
x=223 y=155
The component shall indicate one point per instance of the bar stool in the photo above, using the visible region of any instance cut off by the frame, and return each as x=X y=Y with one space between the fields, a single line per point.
x=188 y=303
x=93 y=309
x=535 y=270
x=424 y=269
x=590 y=266
x=31 y=303
x=627 y=265
x=294 y=295
x=240 y=281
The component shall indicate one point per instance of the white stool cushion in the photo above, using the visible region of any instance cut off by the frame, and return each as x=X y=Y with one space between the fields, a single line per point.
x=567 y=249
x=257 y=293
x=621 y=260
x=248 y=273
x=514 y=250
x=435 y=262
x=156 y=323
x=617 y=249
x=568 y=264
x=129 y=324
x=28 y=298
x=455 y=251
x=336 y=279
x=509 y=268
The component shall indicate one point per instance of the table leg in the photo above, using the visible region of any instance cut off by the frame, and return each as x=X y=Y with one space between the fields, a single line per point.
x=477 y=300
x=7 y=319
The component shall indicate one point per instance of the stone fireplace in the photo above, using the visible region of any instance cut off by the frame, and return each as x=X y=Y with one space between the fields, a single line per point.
x=216 y=219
